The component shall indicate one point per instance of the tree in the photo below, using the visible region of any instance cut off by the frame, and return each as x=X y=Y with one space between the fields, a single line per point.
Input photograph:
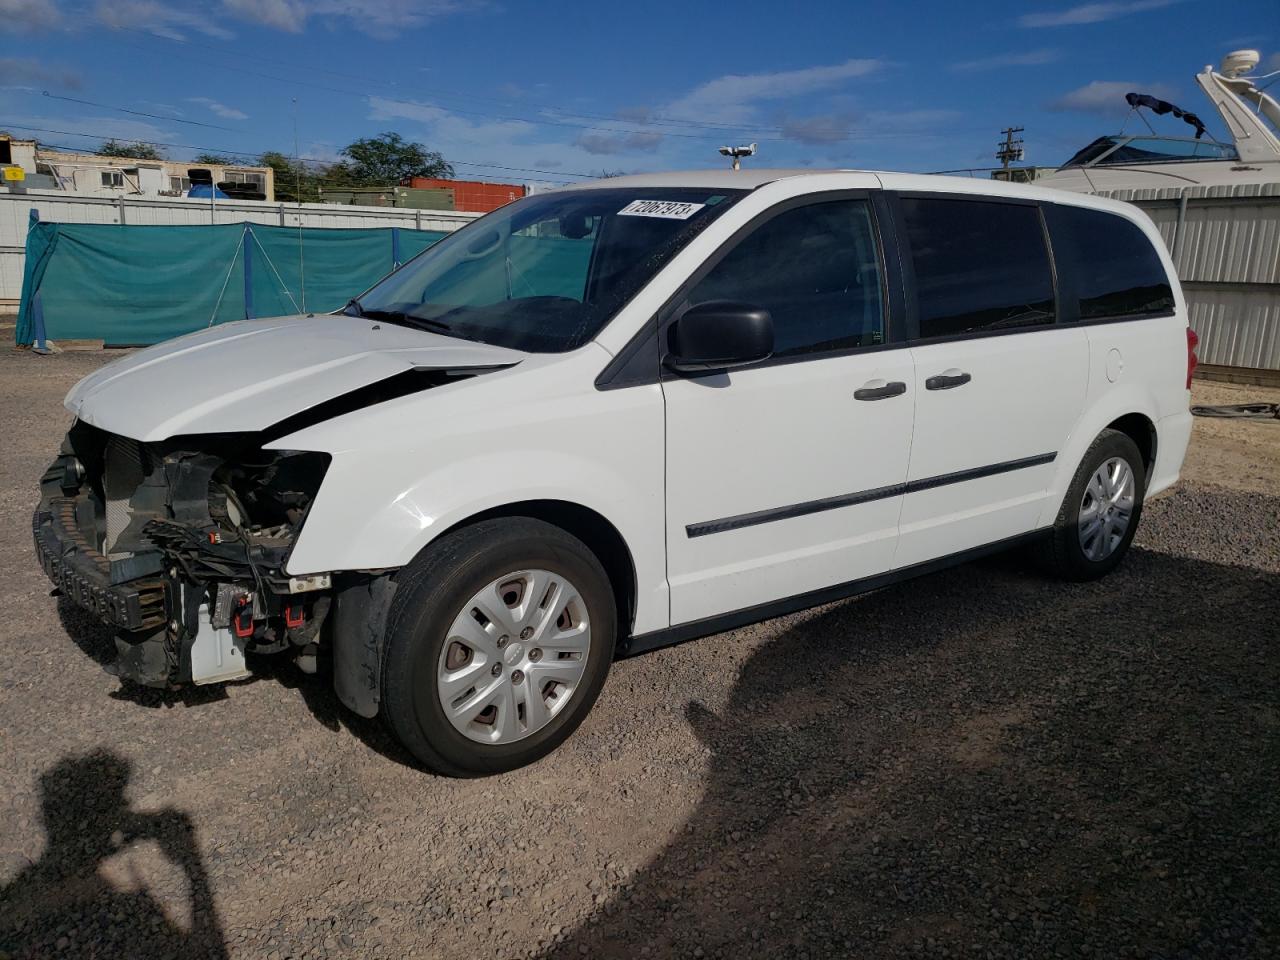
x=130 y=151
x=212 y=158
x=388 y=159
x=294 y=183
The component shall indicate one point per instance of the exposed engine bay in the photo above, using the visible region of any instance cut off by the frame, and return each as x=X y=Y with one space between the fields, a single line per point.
x=181 y=545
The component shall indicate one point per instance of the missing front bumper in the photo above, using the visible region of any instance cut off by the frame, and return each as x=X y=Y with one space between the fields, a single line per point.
x=84 y=575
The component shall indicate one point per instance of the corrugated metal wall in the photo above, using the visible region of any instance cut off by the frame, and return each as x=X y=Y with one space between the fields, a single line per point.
x=1225 y=243
x=57 y=207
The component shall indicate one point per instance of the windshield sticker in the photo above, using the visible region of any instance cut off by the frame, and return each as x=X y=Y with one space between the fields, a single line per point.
x=667 y=209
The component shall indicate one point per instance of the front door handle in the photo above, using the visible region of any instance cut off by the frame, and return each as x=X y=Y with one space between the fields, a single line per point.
x=879 y=390
x=947 y=380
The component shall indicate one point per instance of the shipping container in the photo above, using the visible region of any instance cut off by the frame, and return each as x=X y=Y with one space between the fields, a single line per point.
x=473 y=196
x=433 y=199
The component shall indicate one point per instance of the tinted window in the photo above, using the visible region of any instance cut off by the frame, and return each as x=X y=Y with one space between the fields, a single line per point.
x=815 y=269
x=978 y=265
x=1117 y=271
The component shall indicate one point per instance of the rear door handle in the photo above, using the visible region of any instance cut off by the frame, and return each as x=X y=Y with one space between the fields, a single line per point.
x=879 y=390
x=947 y=380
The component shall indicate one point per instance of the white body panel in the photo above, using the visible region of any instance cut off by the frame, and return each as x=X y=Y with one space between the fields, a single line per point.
x=1160 y=176
x=1149 y=380
x=539 y=431
x=250 y=374
x=733 y=449
x=1023 y=401
x=651 y=459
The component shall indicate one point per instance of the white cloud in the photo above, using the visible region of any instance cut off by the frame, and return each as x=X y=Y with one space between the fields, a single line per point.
x=1092 y=13
x=28 y=16
x=448 y=126
x=732 y=98
x=818 y=129
x=221 y=109
x=287 y=15
x=515 y=143
x=23 y=71
x=178 y=19
x=1106 y=96
x=1026 y=58
x=378 y=18
x=162 y=19
x=92 y=130
x=615 y=143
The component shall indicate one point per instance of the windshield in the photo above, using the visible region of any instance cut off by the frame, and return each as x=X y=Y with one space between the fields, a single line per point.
x=1106 y=151
x=544 y=274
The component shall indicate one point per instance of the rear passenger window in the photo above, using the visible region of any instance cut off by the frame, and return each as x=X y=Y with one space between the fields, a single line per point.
x=815 y=269
x=1117 y=271
x=979 y=265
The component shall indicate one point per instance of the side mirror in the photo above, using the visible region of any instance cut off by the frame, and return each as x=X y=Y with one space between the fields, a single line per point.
x=718 y=335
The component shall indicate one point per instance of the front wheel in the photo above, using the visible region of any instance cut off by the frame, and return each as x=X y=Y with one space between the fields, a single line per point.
x=1100 y=513
x=498 y=643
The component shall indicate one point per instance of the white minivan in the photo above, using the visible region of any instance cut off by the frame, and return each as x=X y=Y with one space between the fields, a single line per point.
x=614 y=417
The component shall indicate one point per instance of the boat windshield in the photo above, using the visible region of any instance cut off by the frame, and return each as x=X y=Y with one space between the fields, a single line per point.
x=1113 y=150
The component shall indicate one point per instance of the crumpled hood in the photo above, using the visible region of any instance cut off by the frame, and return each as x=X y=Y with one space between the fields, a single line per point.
x=248 y=375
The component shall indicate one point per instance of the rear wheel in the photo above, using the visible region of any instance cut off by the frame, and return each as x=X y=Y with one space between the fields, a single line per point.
x=1100 y=513
x=498 y=643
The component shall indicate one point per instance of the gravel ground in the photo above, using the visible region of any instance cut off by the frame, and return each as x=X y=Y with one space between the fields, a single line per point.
x=979 y=764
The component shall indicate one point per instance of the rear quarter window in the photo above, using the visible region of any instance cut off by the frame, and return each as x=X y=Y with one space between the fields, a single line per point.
x=1116 y=271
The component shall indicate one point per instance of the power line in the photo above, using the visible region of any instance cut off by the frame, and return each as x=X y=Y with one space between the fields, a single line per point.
x=636 y=126
x=311 y=69
x=136 y=113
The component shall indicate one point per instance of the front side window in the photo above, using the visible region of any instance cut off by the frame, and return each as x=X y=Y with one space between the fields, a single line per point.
x=545 y=273
x=816 y=269
x=1117 y=272
x=979 y=265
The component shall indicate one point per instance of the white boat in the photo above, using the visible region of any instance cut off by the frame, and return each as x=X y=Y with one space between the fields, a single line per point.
x=1128 y=161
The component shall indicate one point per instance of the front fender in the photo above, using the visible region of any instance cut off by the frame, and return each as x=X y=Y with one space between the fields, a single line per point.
x=405 y=472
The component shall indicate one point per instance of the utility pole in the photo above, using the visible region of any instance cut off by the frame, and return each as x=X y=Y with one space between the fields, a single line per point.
x=297 y=179
x=1009 y=149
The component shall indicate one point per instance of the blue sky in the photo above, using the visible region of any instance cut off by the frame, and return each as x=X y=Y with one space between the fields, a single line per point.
x=565 y=89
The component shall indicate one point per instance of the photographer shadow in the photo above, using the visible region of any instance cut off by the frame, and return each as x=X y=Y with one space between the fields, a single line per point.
x=64 y=905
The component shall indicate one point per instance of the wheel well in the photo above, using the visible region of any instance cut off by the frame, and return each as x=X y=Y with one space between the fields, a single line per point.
x=600 y=536
x=1142 y=432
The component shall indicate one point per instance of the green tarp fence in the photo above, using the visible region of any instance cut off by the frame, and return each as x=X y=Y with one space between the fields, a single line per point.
x=131 y=285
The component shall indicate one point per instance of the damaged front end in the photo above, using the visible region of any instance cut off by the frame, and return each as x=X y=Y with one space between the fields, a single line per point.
x=181 y=546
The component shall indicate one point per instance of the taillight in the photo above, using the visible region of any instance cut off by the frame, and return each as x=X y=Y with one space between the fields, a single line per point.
x=1193 y=341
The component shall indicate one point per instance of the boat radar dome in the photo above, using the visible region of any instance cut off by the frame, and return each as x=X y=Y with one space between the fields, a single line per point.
x=1239 y=62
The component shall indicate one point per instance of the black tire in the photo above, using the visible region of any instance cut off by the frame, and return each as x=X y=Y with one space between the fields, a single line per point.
x=432 y=590
x=1062 y=553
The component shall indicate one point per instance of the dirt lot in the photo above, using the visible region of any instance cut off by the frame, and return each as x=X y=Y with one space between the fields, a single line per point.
x=980 y=764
